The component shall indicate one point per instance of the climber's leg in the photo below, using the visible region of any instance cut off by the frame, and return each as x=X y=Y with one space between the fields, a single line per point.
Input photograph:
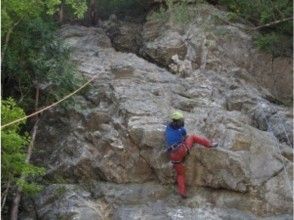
x=195 y=139
x=180 y=172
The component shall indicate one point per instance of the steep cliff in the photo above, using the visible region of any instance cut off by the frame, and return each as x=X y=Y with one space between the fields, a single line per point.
x=105 y=157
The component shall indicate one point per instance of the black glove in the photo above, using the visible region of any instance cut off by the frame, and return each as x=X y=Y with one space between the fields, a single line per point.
x=214 y=144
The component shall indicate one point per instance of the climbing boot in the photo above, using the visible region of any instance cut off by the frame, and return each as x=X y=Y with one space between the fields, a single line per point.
x=184 y=195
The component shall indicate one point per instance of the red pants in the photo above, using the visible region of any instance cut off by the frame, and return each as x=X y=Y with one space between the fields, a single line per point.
x=177 y=157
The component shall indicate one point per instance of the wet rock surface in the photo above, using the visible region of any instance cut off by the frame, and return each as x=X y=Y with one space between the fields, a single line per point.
x=106 y=154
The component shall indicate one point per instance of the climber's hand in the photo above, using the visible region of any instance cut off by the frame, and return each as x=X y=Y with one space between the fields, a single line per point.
x=214 y=144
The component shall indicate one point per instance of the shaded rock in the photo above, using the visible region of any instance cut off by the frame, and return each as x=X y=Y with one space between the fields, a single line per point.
x=271 y=118
x=274 y=74
x=166 y=44
x=125 y=36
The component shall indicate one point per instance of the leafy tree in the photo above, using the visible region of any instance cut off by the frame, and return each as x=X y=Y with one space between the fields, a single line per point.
x=37 y=62
x=36 y=70
x=13 y=154
x=14 y=11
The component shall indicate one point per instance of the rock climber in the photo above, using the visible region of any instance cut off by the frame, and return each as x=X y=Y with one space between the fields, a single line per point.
x=178 y=145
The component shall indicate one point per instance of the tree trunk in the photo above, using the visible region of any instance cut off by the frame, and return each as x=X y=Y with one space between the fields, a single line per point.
x=15 y=204
x=16 y=200
x=7 y=38
x=61 y=12
x=4 y=195
x=93 y=12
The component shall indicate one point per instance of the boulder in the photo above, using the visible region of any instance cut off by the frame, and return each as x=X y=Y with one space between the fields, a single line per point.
x=161 y=44
x=125 y=36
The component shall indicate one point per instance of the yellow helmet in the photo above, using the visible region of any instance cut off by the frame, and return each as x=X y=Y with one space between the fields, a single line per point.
x=177 y=115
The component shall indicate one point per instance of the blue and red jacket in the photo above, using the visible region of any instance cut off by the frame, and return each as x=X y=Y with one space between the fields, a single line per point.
x=174 y=136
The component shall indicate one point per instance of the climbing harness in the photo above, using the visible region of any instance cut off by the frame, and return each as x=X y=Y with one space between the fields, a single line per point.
x=173 y=147
x=177 y=148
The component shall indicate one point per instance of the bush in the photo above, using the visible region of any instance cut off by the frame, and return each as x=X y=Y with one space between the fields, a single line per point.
x=276 y=39
x=178 y=12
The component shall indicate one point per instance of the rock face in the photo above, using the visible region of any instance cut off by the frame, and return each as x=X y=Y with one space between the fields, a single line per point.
x=105 y=156
x=125 y=36
x=211 y=44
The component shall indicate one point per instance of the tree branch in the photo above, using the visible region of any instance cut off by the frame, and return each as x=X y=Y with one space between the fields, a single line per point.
x=258 y=27
x=272 y=23
x=16 y=200
x=7 y=38
x=4 y=195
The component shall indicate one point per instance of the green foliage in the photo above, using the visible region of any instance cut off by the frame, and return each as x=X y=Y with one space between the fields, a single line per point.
x=274 y=43
x=13 y=150
x=14 y=10
x=178 y=12
x=276 y=39
x=36 y=58
x=260 y=11
x=9 y=112
x=78 y=7
x=33 y=59
x=160 y=14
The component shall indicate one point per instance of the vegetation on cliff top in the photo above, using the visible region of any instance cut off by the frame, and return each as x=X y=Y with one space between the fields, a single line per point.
x=271 y=20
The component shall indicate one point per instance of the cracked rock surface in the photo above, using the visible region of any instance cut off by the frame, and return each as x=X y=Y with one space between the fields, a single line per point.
x=106 y=155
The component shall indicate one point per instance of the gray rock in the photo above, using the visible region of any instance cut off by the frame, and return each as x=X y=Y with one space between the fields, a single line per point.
x=209 y=43
x=161 y=49
x=114 y=133
x=70 y=202
x=125 y=36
